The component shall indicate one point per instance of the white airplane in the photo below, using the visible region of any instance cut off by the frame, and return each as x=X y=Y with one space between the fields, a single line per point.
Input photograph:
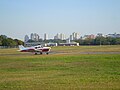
x=35 y=49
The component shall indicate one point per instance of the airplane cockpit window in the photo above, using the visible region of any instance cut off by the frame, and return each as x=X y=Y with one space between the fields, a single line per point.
x=38 y=47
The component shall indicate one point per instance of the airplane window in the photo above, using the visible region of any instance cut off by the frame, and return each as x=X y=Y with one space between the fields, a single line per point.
x=35 y=47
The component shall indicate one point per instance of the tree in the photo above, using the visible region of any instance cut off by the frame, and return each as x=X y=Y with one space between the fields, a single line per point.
x=19 y=42
x=1 y=40
x=117 y=41
x=5 y=41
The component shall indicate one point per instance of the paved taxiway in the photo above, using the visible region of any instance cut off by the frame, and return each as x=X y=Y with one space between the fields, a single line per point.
x=55 y=53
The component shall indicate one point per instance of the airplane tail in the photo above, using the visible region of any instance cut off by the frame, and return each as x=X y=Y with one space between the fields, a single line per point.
x=21 y=47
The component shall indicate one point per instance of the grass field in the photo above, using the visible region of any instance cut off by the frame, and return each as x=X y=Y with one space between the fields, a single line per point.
x=65 y=70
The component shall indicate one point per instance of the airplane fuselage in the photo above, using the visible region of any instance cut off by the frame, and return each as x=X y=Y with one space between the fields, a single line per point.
x=35 y=49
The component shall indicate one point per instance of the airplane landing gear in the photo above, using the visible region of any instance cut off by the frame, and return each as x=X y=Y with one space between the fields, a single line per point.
x=47 y=53
x=40 y=53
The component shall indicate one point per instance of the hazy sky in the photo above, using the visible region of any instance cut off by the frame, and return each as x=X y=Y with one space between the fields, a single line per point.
x=21 y=17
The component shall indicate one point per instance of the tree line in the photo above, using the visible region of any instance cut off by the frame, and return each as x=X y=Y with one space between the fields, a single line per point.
x=88 y=41
x=6 y=41
x=99 y=41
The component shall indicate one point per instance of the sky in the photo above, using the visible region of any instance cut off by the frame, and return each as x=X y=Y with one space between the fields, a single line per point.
x=23 y=17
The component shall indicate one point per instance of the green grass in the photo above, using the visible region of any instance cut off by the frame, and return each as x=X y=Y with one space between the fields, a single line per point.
x=60 y=71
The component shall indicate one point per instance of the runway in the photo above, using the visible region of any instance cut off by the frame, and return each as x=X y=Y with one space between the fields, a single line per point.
x=85 y=53
x=57 y=53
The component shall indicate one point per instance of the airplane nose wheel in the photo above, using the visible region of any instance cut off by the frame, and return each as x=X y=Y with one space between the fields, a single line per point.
x=40 y=53
x=47 y=53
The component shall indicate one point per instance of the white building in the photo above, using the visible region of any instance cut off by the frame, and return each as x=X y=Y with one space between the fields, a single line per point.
x=45 y=36
x=35 y=37
x=75 y=35
x=62 y=36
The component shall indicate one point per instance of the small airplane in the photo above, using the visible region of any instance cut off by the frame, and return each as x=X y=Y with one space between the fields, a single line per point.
x=35 y=49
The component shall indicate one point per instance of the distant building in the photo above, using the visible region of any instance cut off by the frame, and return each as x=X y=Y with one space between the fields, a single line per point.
x=68 y=40
x=29 y=44
x=71 y=37
x=69 y=44
x=113 y=35
x=51 y=44
x=26 y=38
x=60 y=36
x=32 y=36
x=35 y=37
x=57 y=36
x=75 y=35
x=89 y=36
x=45 y=36
x=99 y=35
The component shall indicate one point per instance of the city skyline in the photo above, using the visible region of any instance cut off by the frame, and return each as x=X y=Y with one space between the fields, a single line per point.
x=72 y=36
x=62 y=36
x=18 y=18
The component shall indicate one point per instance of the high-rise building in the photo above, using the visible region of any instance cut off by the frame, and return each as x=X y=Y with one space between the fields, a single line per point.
x=62 y=36
x=26 y=38
x=75 y=35
x=57 y=36
x=71 y=37
x=45 y=36
x=34 y=37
